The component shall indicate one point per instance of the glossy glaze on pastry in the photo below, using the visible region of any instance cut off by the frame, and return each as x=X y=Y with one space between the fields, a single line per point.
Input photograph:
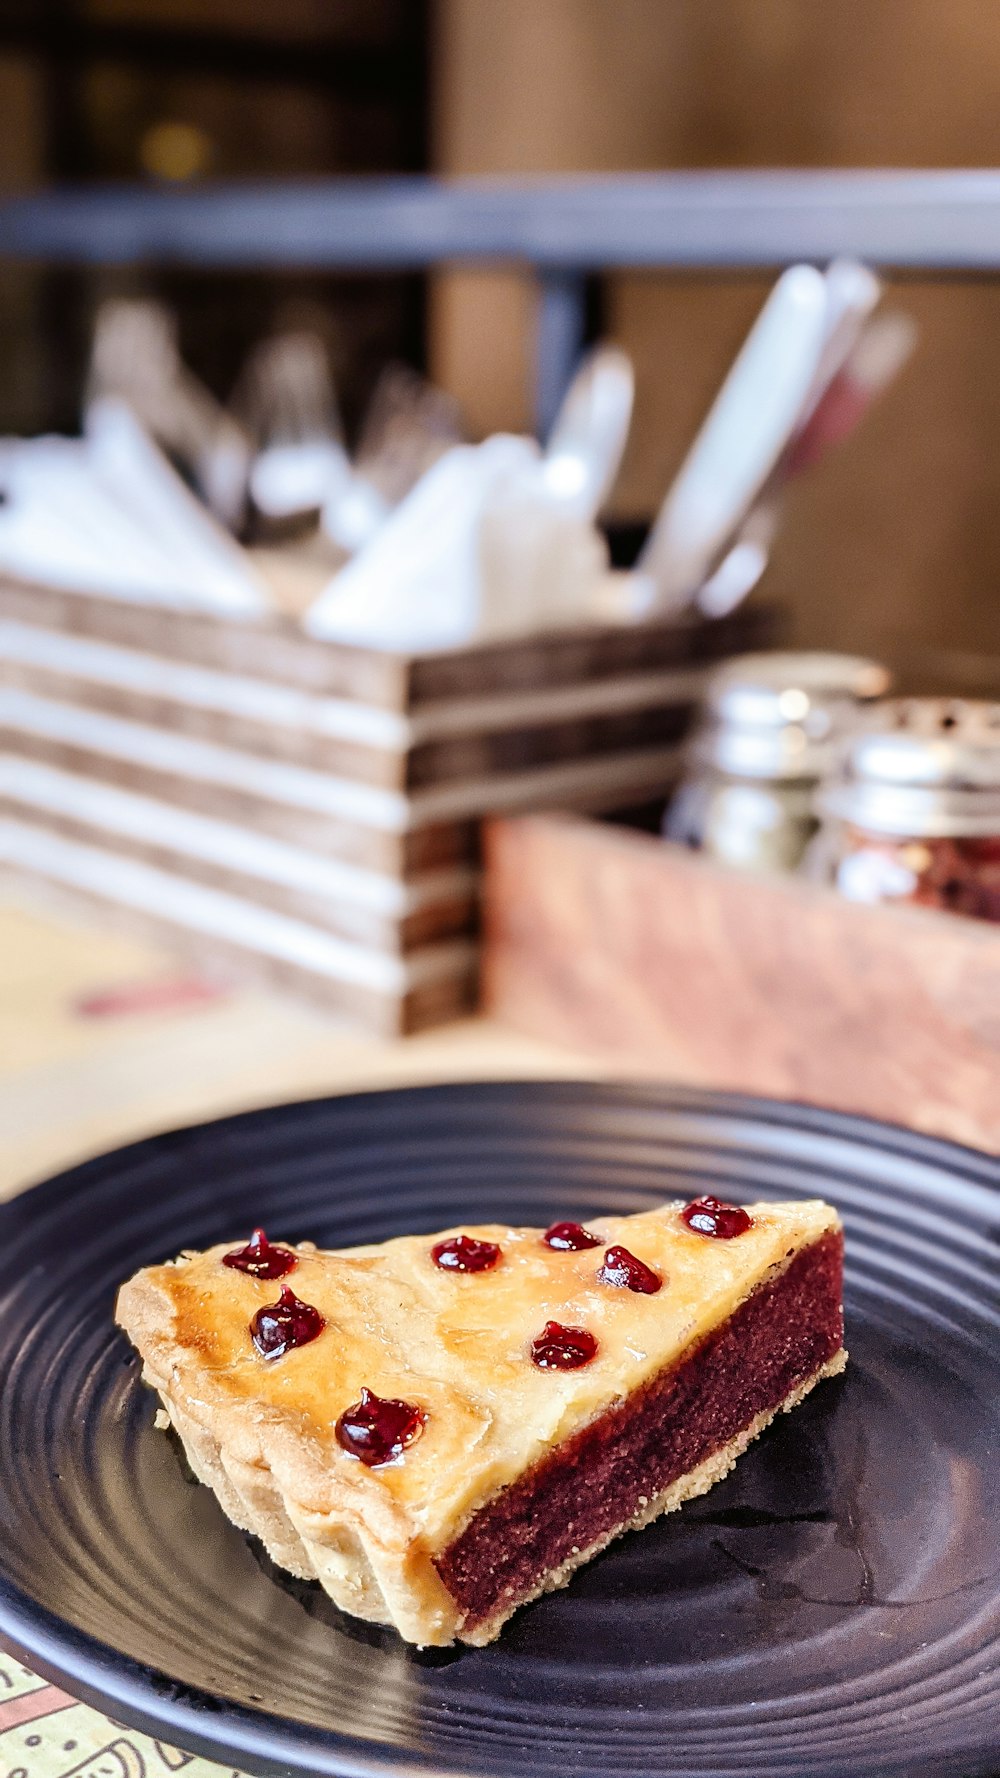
x=454 y=1352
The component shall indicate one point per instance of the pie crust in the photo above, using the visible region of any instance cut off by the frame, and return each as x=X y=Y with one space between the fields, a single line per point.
x=477 y=1515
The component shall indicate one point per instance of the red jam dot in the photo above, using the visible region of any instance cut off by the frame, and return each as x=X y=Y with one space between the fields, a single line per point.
x=559 y=1348
x=623 y=1269
x=570 y=1237
x=378 y=1431
x=709 y=1216
x=463 y=1253
x=280 y=1326
x=260 y=1259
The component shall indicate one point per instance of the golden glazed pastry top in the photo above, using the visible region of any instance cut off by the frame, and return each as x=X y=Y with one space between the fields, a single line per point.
x=456 y=1345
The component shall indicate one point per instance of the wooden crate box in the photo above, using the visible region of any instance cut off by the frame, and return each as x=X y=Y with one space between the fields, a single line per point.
x=308 y=809
x=674 y=967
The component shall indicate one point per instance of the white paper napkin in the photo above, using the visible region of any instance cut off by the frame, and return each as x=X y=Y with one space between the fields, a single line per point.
x=481 y=548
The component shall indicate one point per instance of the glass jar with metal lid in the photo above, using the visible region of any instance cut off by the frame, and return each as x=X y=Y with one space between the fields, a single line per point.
x=768 y=733
x=913 y=812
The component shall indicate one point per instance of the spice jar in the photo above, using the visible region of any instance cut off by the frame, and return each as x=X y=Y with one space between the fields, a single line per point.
x=913 y=813
x=768 y=733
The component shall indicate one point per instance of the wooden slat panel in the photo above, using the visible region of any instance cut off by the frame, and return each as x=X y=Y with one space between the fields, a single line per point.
x=365 y=764
x=383 y=1013
x=570 y=657
x=457 y=758
x=278 y=650
x=451 y=914
x=402 y=854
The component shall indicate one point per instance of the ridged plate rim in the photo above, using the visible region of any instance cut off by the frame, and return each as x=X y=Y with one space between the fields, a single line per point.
x=102 y=1675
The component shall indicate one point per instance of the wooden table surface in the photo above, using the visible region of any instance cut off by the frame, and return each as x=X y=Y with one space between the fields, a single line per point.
x=104 y=1039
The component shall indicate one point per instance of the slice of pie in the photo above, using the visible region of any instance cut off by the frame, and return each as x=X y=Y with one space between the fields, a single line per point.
x=441 y=1428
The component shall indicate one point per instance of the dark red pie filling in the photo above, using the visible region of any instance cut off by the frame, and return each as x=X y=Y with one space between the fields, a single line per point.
x=279 y=1327
x=593 y=1483
x=627 y=1272
x=709 y=1216
x=378 y=1430
x=463 y=1253
x=261 y=1259
x=570 y=1237
x=560 y=1348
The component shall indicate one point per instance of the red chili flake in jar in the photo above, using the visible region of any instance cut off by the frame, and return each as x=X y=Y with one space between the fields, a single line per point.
x=957 y=876
x=913 y=814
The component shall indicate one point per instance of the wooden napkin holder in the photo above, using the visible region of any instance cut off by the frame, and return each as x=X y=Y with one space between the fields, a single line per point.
x=671 y=966
x=308 y=811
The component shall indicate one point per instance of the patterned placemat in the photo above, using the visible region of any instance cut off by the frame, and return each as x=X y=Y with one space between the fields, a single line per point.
x=44 y=1733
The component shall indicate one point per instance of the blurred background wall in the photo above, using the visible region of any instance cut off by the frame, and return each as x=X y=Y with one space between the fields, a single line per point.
x=895 y=545
x=172 y=90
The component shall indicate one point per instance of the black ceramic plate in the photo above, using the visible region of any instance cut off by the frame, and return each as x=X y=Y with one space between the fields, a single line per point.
x=832 y=1608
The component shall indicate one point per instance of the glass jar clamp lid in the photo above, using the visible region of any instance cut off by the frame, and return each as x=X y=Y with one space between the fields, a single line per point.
x=921 y=768
x=779 y=716
x=768 y=730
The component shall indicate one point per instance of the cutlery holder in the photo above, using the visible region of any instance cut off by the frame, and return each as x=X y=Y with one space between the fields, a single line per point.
x=309 y=811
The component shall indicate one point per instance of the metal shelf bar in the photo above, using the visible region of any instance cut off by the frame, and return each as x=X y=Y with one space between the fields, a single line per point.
x=563 y=229
x=931 y=221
